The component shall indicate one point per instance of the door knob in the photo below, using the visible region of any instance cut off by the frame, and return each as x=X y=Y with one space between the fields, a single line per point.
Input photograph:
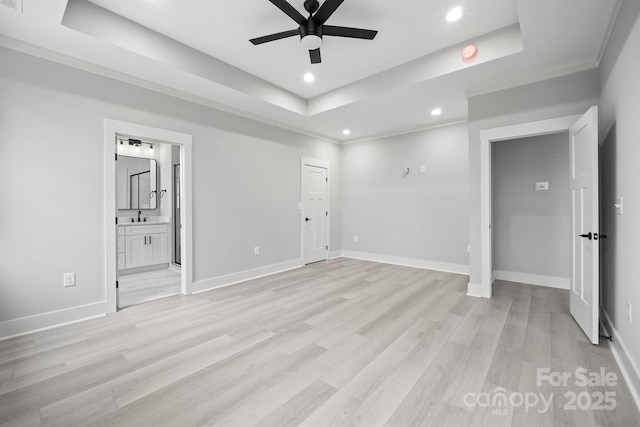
x=307 y=219
x=588 y=235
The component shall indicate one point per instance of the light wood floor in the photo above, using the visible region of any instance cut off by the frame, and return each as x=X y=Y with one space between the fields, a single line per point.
x=144 y=287
x=343 y=342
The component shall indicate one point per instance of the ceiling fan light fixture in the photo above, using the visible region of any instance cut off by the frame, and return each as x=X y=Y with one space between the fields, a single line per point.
x=311 y=41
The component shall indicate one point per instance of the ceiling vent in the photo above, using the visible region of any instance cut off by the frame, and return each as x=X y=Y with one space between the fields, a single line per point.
x=13 y=4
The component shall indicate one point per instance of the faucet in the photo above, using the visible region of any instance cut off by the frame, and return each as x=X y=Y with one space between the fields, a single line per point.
x=139 y=213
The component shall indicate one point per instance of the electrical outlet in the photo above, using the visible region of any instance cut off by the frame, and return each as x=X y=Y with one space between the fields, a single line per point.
x=423 y=169
x=355 y=239
x=69 y=279
x=468 y=249
x=256 y=250
x=629 y=312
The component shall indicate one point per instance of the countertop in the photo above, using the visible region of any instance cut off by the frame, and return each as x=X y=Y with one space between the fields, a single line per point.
x=124 y=224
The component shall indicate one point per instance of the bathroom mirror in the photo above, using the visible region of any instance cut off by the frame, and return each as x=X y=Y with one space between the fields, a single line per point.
x=136 y=183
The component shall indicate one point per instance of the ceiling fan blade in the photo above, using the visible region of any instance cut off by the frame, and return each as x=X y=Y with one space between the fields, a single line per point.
x=315 y=56
x=293 y=13
x=326 y=10
x=273 y=37
x=356 y=33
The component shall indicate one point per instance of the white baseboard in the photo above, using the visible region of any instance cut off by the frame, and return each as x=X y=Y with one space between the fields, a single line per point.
x=335 y=254
x=39 y=322
x=627 y=364
x=408 y=262
x=478 y=291
x=532 y=279
x=243 y=276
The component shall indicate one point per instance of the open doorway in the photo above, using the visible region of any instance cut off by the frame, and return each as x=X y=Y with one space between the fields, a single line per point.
x=531 y=210
x=145 y=199
x=140 y=220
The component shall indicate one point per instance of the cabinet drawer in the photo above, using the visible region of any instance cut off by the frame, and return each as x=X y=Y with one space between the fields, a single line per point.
x=145 y=229
x=120 y=231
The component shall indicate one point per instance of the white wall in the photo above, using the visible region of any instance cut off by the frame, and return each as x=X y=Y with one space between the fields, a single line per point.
x=246 y=183
x=562 y=96
x=531 y=229
x=620 y=175
x=420 y=216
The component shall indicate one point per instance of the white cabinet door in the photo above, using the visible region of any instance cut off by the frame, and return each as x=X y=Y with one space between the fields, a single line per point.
x=144 y=245
x=136 y=251
x=157 y=246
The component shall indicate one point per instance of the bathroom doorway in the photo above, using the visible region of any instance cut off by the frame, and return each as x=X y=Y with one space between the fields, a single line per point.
x=141 y=244
x=146 y=203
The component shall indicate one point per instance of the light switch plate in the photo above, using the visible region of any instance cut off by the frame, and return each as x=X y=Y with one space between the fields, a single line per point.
x=618 y=205
x=542 y=186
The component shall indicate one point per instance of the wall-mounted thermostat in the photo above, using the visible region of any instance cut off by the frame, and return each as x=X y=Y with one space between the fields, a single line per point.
x=542 y=186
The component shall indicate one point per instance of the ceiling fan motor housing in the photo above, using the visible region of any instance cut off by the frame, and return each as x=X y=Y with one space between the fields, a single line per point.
x=310 y=28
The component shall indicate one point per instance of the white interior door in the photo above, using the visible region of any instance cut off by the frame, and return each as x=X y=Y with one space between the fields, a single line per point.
x=584 y=296
x=315 y=212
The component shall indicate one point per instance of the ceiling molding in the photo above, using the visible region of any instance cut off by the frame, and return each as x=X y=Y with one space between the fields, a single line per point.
x=408 y=131
x=564 y=71
x=612 y=24
x=59 y=58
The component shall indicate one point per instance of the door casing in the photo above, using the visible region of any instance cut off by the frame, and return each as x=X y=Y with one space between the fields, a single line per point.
x=483 y=289
x=113 y=128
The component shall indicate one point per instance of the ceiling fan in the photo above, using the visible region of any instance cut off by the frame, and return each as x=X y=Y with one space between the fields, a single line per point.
x=312 y=29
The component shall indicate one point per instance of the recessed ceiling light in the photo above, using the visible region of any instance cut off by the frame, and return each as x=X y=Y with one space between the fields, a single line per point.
x=436 y=111
x=346 y=132
x=454 y=14
x=309 y=78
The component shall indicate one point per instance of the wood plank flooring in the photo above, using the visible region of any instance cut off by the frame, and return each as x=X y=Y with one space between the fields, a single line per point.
x=144 y=287
x=338 y=343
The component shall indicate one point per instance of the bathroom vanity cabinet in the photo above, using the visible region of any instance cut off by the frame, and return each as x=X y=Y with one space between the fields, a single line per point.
x=142 y=244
